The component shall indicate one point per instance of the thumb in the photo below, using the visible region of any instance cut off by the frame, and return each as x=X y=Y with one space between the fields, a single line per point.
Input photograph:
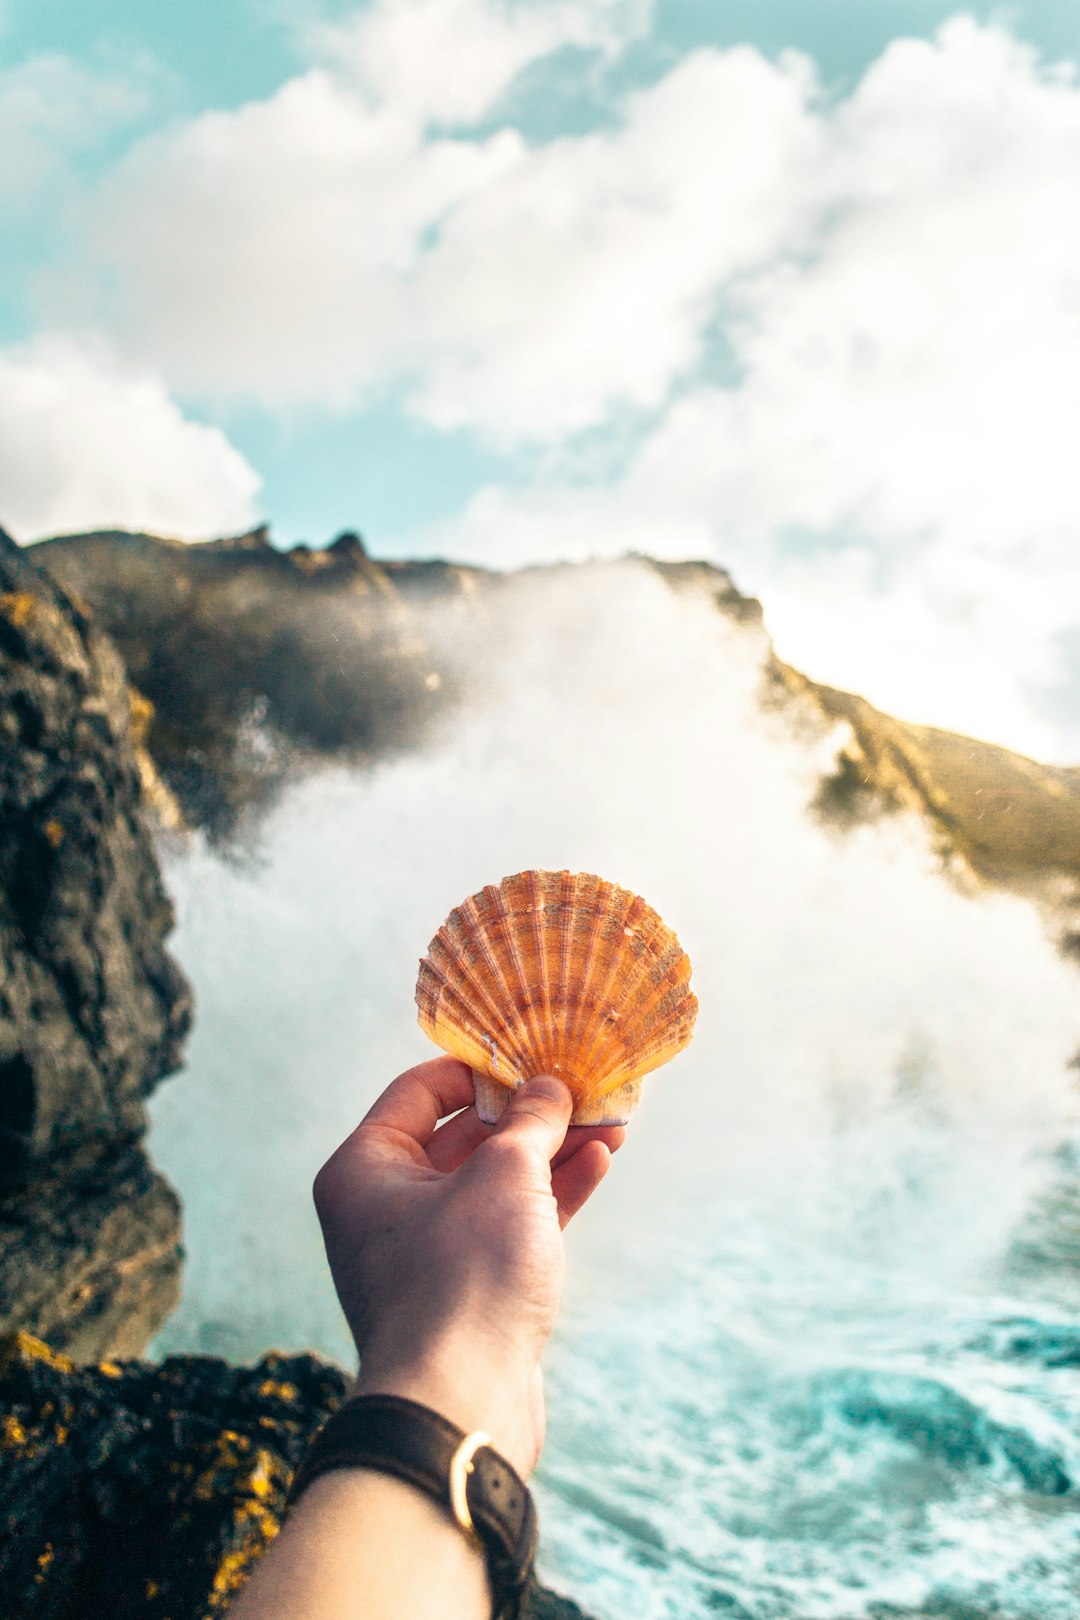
x=537 y=1115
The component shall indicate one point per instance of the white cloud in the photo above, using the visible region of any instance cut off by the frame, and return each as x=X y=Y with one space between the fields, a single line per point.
x=319 y=244
x=451 y=60
x=269 y=252
x=51 y=108
x=583 y=279
x=84 y=444
x=918 y=372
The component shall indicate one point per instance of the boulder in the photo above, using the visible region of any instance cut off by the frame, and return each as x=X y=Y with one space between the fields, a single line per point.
x=93 y=1010
x=130 y=1490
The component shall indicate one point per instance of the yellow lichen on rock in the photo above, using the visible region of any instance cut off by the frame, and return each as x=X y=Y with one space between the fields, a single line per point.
x=18 y=607
x=235 y=1568
x=153 y=1489
x=255 y=1524
x=13 y=1436
x=156 y=794
x=21 y=1347
x=283 y=1391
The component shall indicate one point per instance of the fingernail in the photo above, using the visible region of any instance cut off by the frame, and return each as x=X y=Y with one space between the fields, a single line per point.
x=546 y=1085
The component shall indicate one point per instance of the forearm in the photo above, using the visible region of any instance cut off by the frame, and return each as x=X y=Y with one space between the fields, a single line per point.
x=363 y=1546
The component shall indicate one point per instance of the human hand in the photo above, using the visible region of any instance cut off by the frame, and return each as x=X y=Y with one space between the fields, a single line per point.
x=445 y=1244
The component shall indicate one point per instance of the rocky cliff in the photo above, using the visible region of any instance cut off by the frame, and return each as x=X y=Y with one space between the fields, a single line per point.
x=327 y=651
x=255 y=660
x=93 y=1010
x=1008 y=820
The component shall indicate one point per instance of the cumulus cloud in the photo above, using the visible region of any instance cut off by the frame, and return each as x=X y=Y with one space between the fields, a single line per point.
x=52 y=108
x=919 y=369
x=323 y=242
x=270 y=252
x=84 y=444
x=583 y=279
x=450 y=61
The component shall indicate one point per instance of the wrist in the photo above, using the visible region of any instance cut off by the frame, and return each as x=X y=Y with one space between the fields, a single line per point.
x=475 y=1489
x=473 y=1390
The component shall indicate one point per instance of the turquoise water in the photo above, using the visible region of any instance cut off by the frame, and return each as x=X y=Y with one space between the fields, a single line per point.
x=813 y=1408
x=820 y=1356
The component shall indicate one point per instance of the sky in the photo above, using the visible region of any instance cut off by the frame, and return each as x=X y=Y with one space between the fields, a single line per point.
x=791 y=284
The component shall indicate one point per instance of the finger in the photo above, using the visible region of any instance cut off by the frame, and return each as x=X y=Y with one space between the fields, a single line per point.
x=574 y=1182
x=415 y=1102
x=456 y=1139
x=612 y=1136
x=536 y=1117
x=577 y=1137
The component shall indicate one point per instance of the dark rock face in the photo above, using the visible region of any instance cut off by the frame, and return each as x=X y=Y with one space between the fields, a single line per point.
x=90 y=1258
x=127 y=1489
x=1007 y=819
x=259 y=662
x=256 y=660
x=132 y=1490
x=92 y=1009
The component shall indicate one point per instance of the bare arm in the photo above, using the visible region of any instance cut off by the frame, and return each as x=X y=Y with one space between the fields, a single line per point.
x=446 y=1250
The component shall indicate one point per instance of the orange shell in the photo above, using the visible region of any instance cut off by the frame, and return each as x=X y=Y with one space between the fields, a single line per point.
x=557 y=973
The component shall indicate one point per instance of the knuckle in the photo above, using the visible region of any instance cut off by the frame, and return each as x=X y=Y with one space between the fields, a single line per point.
x=321 y=1186
x=326 y=1187
x=340 y=1170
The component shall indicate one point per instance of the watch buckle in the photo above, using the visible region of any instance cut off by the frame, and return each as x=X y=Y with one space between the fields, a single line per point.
x=461 y=1466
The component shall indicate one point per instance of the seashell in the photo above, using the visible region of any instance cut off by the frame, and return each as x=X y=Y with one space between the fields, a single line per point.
x=557 y=973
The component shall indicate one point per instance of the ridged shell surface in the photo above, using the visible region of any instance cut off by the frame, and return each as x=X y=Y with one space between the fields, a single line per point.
x=557 y=973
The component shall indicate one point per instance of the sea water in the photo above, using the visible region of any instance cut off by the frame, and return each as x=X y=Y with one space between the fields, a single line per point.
x=820 y=1353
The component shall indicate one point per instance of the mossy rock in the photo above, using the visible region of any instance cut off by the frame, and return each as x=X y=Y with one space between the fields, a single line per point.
x=130 y=1489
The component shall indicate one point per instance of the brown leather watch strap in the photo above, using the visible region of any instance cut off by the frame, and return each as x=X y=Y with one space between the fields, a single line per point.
x=400 y=1437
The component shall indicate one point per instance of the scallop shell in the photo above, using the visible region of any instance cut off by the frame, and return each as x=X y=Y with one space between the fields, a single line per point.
x=557 y=973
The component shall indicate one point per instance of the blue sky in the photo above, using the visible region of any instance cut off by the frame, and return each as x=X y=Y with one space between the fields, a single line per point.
x=792 y=285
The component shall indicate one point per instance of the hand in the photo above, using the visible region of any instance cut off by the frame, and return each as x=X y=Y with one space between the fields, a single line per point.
x=445 y=1244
